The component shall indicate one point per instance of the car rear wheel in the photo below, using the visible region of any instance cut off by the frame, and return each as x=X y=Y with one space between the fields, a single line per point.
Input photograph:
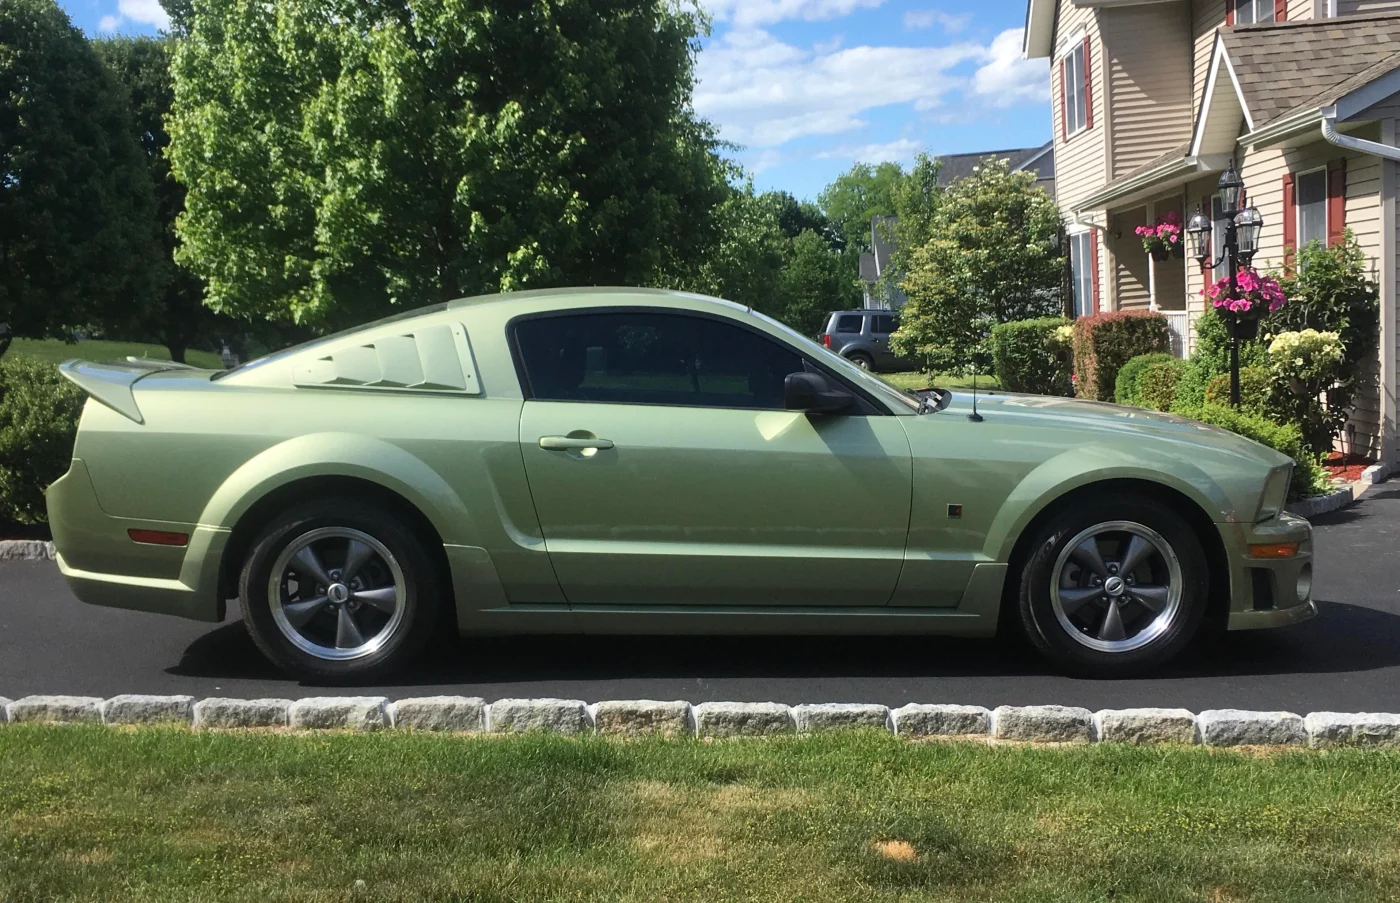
x=862 y=360
x=338 y=590
x=1114 y=588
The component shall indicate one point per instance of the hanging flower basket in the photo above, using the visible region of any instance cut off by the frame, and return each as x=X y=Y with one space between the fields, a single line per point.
x=1160 y=254
x=1255 y=295
x=1163 y=238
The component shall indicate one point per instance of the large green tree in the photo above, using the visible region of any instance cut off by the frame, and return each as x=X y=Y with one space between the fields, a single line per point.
x=344 y=155
x=142 y=65
x=813 y=282
x=991 y=257
x=858 y=194
x=77 y=234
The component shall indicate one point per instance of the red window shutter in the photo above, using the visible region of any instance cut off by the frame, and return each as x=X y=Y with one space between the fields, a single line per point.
x=1336 y=200
x=1229 y=12
x=1064 y=110
x=1206 y=267
x=1094 y=266
x=1280 y=10
x=1088 y=90
x=1290 y=220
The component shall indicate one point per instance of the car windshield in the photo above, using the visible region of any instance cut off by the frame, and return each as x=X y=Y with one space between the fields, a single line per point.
x=868 y=381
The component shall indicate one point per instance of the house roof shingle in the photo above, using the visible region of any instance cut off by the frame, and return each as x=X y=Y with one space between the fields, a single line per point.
x=957 y=166
x=1287 y=65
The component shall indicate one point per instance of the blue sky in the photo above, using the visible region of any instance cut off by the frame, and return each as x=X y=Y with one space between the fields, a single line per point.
x=809 y=87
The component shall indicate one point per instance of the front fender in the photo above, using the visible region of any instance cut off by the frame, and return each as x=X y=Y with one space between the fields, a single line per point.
x=1084 y=465
x=342 y=455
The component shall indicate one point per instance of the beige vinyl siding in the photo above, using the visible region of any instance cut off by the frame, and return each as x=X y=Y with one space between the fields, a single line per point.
x=1362 y=7
x=1207 y=16
x=1298 y=10
x=1390 y=317
x=1149 y=64
x=1130 y=270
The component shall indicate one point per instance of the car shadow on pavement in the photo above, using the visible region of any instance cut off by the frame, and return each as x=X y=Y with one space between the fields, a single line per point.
x=1343 y=638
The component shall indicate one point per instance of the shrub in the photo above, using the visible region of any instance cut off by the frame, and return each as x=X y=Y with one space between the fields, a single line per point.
x=1033 y=356
x=1210 y=358
x=1305 y=365
x=1125 y=387
x=1329 y=292
x=1256 y=392
x=1308 y=477
x=1103 y=343
x=38 y=419
x=1156 y=387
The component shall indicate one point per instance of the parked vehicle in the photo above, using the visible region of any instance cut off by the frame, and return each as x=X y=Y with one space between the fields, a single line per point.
x=863 y=338
x=641 y=461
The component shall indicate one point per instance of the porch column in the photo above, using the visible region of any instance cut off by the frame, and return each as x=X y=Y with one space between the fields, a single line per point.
x=1390 y=183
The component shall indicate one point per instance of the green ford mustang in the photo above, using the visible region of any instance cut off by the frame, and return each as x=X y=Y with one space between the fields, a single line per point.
x=638 y=461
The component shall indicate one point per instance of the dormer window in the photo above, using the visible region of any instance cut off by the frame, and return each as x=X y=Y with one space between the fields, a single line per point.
x=1251 y=12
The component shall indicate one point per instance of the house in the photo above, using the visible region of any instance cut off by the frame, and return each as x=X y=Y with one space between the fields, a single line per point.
x=1152 y=99
x=874 y=265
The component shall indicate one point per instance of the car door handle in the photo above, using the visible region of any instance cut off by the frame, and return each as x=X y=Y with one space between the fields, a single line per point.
x=569 y=443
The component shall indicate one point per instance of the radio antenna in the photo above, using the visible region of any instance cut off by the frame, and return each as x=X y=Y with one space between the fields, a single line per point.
x=974 y=416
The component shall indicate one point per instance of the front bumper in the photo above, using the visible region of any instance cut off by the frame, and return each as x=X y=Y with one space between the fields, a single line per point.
x=1269 y=592
x=103 y=566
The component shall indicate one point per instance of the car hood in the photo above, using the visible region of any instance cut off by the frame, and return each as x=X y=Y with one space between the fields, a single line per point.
x=1109 y=419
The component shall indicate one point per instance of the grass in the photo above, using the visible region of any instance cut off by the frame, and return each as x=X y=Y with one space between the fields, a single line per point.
x=57 y=351
x=917 y=380
x=173 y=815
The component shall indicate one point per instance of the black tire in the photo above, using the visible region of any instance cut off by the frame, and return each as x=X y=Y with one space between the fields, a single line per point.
x=862 y=360
x=413 y=592
x=1065 y=597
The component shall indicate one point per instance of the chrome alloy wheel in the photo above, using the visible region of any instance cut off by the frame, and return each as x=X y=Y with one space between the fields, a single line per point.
x=337 y=593
x=1116 y=586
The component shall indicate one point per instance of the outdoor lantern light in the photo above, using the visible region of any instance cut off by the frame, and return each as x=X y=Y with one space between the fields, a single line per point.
x=1230 y=186
x=1198 y=227
x=1248 y=223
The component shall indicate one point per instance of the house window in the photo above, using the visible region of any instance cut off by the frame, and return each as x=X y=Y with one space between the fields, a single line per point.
x=1252 y=12
x=1311 y=198
x=1072 y=69
x=1219 y=222
x=1081 y=259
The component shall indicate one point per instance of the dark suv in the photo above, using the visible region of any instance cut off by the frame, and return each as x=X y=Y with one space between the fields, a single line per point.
x=863 y=338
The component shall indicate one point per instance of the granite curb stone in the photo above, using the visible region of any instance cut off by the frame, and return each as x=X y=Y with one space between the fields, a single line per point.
x=743 y=719
x=57 y=709
x=219 y=712
x=26 y=550
x=131 y=708
x=1336 y=729
x=918 y=720
x=1236 y=727
x=1043 y=723
x=835 y=716
x=558 y=716
x=633 y=717
x=356 y=713
x=458 y=714
x=1145 y=726
x=4 y=710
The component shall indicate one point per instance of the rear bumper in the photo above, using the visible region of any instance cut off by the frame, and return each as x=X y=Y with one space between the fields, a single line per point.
x=1269 y=592
x=103 y=566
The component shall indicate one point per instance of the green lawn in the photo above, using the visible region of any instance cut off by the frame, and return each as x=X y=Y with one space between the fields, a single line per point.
x=57 y=351
x=173 y=815
x=915 y=380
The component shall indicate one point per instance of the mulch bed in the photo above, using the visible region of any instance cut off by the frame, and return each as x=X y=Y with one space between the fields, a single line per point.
x=1346 y=468
x=14 y=530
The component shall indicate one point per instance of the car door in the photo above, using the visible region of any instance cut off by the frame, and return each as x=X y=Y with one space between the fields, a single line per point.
x=665 y=470
x=880 y=329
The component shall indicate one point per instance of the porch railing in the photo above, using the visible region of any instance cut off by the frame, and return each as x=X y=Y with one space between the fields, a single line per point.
x=1179 y=325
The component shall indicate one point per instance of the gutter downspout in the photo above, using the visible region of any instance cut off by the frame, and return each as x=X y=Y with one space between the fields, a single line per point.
x=1361 y=145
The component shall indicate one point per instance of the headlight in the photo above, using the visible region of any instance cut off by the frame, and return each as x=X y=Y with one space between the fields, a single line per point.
x=1275 y=493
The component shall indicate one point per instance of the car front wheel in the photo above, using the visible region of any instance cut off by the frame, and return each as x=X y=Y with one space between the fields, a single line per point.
x=338 y=590
x=1114 y=588
x=862 y=360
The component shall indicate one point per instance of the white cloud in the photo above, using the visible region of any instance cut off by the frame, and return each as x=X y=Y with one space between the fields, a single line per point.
x=899 y=151
x=142 y=12
x=927 y=18
x=754 y=13
x=108 y=23
x=764 y=159
x=1006 y=79
x=762 y=92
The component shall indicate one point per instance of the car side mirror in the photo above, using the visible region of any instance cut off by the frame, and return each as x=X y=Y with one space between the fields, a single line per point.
x=813 y=394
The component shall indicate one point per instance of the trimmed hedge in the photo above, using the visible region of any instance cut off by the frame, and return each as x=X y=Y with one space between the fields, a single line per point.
x=1103 y=343
x=39 y=412
x=1030 y=356
x=1256 y=386
x=1125 y=387
x=1308 y=476
x=1156 y=387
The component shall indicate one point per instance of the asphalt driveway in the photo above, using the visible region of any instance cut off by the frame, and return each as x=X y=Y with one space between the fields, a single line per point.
x=1347 y=659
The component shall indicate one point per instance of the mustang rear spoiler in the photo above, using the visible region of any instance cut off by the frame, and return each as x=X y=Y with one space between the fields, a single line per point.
x=111 y=382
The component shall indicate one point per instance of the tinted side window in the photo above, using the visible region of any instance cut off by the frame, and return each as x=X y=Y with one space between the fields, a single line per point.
x=651 y=358
x=883 y=325
x=848 y=323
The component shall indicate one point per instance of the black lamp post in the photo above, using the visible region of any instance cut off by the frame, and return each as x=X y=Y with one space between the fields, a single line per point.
x=1242 y=228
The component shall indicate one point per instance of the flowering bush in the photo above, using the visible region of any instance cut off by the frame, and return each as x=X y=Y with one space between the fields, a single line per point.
x=1257 y=294
x=1305 y=366
x=1164 y=236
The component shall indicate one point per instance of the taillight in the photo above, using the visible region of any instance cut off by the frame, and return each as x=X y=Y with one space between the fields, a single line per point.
x=826 y=340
